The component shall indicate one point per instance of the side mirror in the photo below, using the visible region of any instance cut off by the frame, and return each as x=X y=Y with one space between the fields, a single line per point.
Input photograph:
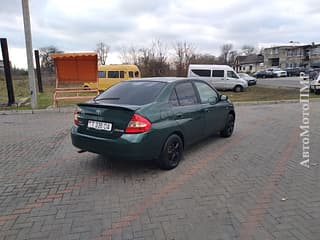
x=223 y=98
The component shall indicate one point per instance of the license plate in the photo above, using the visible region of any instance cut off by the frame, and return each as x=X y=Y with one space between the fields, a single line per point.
x=316 y=87
x=99 y=125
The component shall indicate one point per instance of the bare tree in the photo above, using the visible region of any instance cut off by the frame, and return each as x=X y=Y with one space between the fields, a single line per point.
x=129 y=55
x=102 y=51
x=46 y=61
x=248 y=49
x=225 y=50
x=204 y=59
x=152 y=61
x=260 y=50
x=232 y=57
x=184 y=53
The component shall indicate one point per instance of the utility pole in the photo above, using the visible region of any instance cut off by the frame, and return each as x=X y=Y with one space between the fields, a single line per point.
x=28 y=39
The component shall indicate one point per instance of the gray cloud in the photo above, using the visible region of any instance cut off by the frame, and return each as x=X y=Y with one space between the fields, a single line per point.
x=78 y=25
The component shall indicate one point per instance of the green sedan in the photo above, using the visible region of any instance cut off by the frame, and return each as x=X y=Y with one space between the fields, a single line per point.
x=151 y=118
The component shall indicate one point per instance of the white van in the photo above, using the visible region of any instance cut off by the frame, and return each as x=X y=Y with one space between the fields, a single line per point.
x=222 y=77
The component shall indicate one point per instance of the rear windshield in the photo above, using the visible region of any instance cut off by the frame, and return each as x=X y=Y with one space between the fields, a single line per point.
x=132 y=93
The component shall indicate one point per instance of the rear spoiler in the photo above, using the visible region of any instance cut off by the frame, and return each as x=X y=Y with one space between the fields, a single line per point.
x=92 y=103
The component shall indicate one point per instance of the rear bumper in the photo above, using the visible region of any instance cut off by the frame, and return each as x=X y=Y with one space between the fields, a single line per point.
x=128 y=146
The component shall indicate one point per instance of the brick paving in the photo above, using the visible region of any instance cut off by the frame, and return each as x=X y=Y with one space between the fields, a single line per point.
x=250 y=186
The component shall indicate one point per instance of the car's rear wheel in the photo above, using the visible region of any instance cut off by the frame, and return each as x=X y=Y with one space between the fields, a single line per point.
x=228 y=129
x=238 y=88
x=171 y=153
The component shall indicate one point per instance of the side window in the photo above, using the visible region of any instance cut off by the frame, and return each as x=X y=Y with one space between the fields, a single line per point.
x=231 y=74
x=218 y=73
x=186 y=94
x=207 y=94
x=121 y=74
x=113 y=74
x=130 y=74
x=101 y=74
x=136 y=74
x=201 y=72
x=173 y=100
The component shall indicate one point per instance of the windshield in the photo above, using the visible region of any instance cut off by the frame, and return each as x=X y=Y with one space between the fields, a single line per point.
x=132 y=92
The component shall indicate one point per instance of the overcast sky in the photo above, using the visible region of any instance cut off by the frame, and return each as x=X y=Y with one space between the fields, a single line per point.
x=77 y=25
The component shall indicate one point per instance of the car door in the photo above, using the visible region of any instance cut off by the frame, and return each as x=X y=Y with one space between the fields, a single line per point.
x=218 y=79
x=232 y=80
x=187 y=111
x=214 y=110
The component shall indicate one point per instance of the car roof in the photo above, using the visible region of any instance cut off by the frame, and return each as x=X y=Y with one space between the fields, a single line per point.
x=162 y=79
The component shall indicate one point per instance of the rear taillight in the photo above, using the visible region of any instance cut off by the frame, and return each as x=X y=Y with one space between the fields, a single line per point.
x=138 y=124
x=75 y=116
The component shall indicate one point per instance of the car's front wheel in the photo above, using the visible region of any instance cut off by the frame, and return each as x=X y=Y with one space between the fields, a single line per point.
x=171 y=153
x=238 y=88
x=228 y=129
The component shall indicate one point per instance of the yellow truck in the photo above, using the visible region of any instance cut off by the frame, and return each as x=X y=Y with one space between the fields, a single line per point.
x=109 y=75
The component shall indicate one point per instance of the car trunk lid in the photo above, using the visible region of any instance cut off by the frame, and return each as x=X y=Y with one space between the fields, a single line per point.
x=104 y=120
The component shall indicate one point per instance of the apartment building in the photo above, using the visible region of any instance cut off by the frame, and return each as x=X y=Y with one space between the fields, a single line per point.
x=292 y=55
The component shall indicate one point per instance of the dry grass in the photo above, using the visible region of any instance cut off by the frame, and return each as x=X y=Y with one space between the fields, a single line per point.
x=257 y=93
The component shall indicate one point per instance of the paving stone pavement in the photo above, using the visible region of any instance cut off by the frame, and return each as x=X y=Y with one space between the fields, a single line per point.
x=249 y=186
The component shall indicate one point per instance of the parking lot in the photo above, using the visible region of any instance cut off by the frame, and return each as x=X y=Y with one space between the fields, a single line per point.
x=249 y=186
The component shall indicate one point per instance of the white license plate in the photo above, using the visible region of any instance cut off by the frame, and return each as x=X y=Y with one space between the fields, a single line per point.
x=99 y=125
x=316 y=87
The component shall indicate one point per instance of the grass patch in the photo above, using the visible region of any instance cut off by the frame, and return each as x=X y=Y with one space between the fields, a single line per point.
x=257 y=93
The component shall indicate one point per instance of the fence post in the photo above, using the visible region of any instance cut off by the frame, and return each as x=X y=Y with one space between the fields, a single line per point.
x=36 y=55
x=7 y=71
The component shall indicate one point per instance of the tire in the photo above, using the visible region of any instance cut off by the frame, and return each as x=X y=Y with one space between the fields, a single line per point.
x=311 y=90
x=238 y=88
x=172 y=152
x=228 y=129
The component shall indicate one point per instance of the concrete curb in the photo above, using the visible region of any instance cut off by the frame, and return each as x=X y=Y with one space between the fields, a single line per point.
x=48 y=110
x=279 y=87
x=272 y=102
x=70 y=109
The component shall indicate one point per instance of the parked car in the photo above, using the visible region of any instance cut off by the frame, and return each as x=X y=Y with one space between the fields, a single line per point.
x=313 y=73
x=153 y=118
x=222 y=77
x=294 y=71
x=263 y=74
x=315 y=85
x=248 y=78
x=277 y=72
